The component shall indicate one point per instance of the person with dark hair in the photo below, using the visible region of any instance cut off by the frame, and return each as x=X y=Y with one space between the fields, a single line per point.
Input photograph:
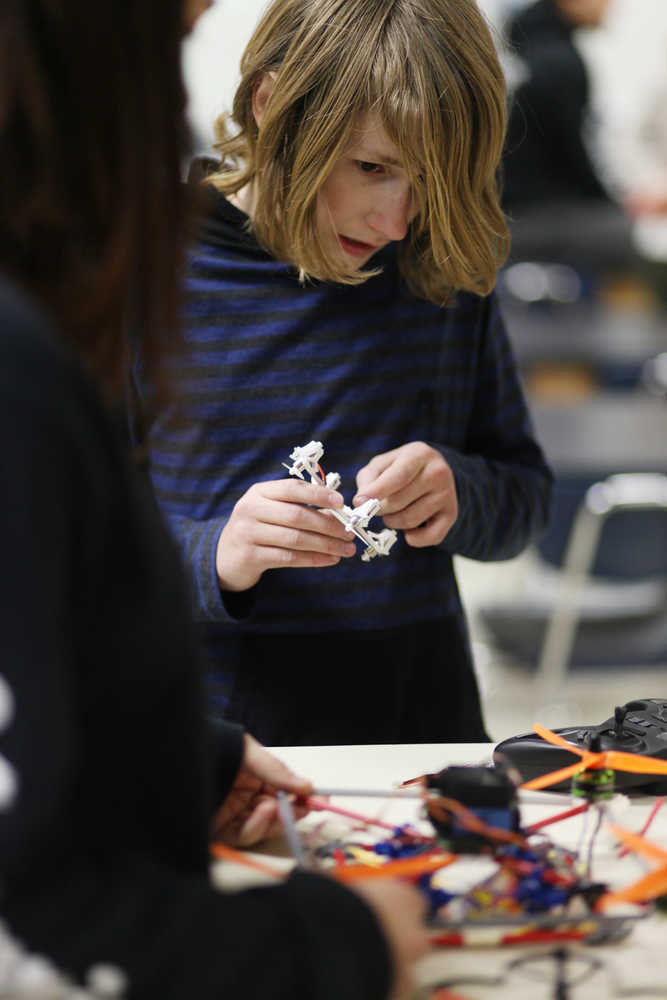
x=341 y=289
x=109 y=783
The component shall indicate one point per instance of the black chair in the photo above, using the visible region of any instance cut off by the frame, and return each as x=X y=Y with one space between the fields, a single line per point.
x=599 y=597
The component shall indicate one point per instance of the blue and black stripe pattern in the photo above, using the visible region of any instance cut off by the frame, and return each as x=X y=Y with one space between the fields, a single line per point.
x=271 y=364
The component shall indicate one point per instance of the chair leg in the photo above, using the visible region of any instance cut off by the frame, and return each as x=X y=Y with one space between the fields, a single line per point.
x=629 y=491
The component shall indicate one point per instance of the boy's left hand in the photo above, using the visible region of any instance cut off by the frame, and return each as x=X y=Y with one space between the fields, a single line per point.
x=417 y=489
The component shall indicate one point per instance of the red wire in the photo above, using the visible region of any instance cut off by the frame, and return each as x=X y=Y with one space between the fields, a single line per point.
x=314 y=802
x=555 y=819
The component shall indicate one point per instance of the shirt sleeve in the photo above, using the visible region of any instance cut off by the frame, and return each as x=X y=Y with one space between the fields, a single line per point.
x=502 y=480
x=196 y=538
x=198 y=542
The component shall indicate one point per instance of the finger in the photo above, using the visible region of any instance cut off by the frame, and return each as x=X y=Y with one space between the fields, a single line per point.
x=431 y=533
x=292 y=540
x=416 y=513
x=298 y=491
x=263 y=822
x=298 y=517
x=300 y=810
x=270 y=558
x=270 y=769
x=370 y=472
x=402 y=499
x=399 y=474
x=434 y=479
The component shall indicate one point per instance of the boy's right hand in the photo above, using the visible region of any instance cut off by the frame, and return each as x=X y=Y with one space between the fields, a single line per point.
x=275 y=525
x=401 y=912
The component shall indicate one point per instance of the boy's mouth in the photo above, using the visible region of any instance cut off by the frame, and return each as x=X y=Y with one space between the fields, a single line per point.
x=356 y=247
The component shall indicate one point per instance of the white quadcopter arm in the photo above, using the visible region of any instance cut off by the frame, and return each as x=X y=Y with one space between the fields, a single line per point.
x=306 y=458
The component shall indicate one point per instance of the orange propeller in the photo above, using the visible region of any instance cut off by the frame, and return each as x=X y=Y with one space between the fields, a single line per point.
x=649 y=886
x=412 y=867
x=591 y=760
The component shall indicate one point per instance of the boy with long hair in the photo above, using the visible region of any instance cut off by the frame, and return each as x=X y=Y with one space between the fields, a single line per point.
x=342 y=290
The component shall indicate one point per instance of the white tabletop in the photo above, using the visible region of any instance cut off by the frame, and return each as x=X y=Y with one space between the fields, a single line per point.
x=378 y=766
x=639 y=960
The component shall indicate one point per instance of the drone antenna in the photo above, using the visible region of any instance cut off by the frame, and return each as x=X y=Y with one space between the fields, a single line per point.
x=620 y=713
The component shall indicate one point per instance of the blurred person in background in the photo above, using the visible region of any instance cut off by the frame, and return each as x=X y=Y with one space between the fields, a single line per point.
x=558 y=207
x=110 y=784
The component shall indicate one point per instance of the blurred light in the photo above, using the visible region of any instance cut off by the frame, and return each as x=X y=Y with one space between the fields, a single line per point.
x=532 y=282
x=654 y=375
x=564 y=283
x=526 y=282
x=6 y=703
x=599 y=499
x=8 y=784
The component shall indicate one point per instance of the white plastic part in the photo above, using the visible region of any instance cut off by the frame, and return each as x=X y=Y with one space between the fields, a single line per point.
x=382 y=543
x=362 y=514
x=306 y=458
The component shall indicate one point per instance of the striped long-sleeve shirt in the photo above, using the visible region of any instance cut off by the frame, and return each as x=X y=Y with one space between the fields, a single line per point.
x=272 y=364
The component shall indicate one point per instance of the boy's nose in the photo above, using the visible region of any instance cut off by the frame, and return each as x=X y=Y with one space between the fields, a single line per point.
x=392 y=216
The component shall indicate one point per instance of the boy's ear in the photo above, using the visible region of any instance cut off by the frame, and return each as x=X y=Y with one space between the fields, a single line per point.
x=262 y=90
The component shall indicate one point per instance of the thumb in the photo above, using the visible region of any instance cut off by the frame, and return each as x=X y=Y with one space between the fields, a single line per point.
x=272 y=771
x=368 y=474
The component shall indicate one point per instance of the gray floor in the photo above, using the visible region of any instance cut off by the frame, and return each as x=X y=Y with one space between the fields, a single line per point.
x=509 y=693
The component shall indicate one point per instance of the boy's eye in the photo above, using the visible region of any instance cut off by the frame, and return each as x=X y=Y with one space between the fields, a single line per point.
x=369 y=168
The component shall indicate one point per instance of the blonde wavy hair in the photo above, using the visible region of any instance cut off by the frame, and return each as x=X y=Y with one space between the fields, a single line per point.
x=429 y=70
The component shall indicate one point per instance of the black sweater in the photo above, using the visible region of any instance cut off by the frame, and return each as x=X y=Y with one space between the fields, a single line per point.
x=104 y=849
x=270 y=364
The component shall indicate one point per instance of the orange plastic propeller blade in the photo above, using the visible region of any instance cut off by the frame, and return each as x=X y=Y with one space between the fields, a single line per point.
x=648 y=887
x=635 y=842
x=219 y=850
x=418 y=864
x=557 y=740
x=555 y=776
x=633 y=762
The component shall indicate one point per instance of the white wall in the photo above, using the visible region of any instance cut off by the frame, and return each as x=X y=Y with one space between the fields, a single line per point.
x=627 y=60
x=212 y=53
x=211 y=59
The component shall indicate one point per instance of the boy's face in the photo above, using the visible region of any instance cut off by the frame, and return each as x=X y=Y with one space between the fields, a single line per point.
x=366 y=201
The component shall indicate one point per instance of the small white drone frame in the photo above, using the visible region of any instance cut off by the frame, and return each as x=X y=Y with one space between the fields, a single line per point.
x=306 y=458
